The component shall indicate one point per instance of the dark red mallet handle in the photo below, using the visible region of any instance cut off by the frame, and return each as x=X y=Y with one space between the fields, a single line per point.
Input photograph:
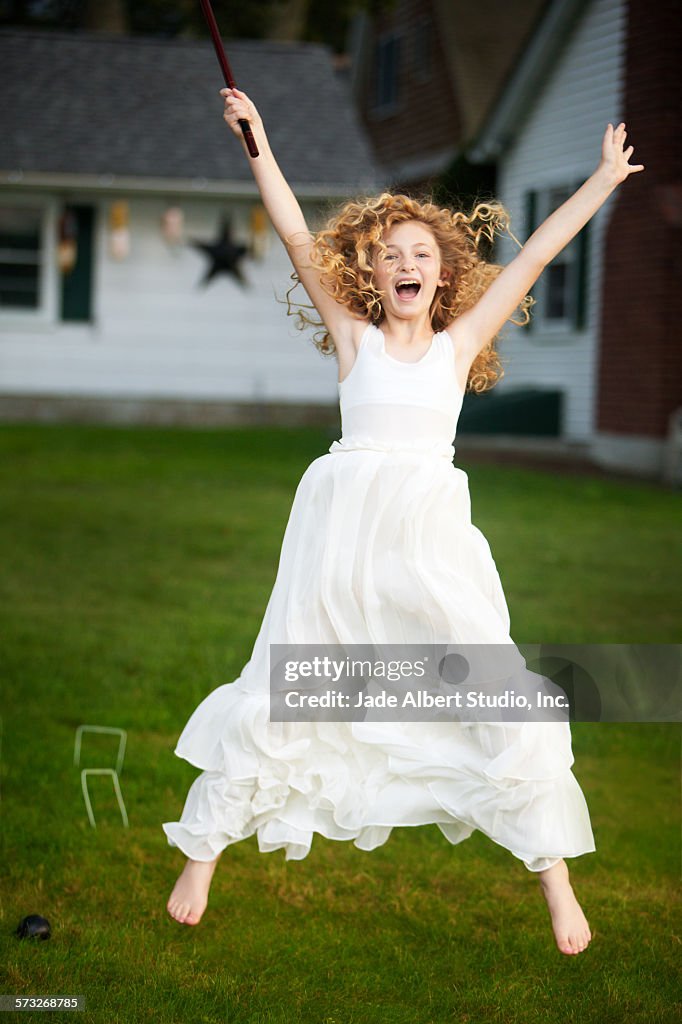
x=229 y=80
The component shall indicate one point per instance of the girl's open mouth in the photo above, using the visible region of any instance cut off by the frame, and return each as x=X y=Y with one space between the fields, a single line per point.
x=407 y=292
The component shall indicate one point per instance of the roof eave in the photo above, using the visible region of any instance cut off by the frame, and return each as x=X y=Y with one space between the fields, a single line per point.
x=415 y=168
x=123 y=183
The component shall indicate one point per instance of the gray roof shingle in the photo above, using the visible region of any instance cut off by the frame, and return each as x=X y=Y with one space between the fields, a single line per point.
x=86 y=103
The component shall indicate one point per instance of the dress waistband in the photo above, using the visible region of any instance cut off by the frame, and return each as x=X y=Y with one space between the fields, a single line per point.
x=434 y=449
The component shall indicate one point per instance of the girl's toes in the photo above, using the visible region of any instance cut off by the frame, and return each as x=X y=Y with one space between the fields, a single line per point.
x=178 y=911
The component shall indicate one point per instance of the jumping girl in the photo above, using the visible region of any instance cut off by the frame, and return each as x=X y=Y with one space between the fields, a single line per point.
x=380 y=548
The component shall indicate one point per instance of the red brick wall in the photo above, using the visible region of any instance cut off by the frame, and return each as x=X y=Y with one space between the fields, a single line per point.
x=428 y=118
x=640 y=364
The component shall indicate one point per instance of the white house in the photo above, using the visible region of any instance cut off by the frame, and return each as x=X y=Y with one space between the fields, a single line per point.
x=547 y=142
x=119 y=134
x=598 y=333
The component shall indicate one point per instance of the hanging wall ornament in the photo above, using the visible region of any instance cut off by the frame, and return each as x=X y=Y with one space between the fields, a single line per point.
x=67 y=245
x=119 y=232
x=172 y=224
x=224 y=255
x=260 y=238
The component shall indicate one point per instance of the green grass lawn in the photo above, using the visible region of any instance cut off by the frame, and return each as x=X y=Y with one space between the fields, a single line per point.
x=136 y=567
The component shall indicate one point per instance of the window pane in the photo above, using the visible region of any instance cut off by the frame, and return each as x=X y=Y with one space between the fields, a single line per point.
x=20 y=256
x=388 y=59
x=557 y=279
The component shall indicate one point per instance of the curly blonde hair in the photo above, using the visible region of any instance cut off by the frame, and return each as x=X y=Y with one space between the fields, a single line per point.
x=343 y=253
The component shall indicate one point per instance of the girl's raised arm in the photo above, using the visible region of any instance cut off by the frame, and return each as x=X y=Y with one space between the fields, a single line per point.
x=478 y=325
x=285 y=213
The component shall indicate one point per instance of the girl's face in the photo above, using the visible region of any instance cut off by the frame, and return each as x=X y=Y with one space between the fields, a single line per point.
x=412 y=256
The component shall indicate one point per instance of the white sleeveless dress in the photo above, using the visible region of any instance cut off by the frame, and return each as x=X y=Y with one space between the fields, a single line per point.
x=379 y=548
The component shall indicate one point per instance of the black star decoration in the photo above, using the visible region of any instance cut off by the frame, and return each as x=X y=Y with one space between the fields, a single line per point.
x=224 y=255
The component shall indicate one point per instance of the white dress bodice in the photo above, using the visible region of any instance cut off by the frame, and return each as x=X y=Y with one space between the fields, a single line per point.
x=391 y=405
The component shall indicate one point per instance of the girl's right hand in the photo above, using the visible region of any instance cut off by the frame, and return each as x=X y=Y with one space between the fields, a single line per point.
x=238 y=107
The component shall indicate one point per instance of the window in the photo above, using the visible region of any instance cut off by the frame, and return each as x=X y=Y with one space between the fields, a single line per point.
x=422 y=44
x=559 y=283
x=34 y=286
x=20 y=257
x=560 y=293
x=387 y=64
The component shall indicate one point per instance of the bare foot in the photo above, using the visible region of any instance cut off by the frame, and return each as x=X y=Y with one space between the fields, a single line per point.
x=189 y=897
x=571 y=930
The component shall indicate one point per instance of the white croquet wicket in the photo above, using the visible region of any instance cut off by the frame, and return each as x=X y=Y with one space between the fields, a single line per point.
x=113 y=772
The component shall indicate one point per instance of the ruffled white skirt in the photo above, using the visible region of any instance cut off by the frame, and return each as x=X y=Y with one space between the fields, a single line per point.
x=379 y=548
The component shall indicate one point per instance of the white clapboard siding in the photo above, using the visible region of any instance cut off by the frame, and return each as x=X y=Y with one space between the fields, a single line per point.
x=157 y=333
x=560 y=141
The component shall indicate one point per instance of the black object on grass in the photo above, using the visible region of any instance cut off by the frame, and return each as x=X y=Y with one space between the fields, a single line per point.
x=34 y=927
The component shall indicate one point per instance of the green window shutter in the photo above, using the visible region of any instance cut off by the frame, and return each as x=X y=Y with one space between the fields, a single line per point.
x=531 y=224
x=581 y=278
x=76 y=301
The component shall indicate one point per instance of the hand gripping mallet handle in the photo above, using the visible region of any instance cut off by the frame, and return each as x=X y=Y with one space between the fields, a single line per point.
x=229 y=80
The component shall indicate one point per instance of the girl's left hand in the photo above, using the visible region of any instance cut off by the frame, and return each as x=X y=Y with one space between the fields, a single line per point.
x=614 y=160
